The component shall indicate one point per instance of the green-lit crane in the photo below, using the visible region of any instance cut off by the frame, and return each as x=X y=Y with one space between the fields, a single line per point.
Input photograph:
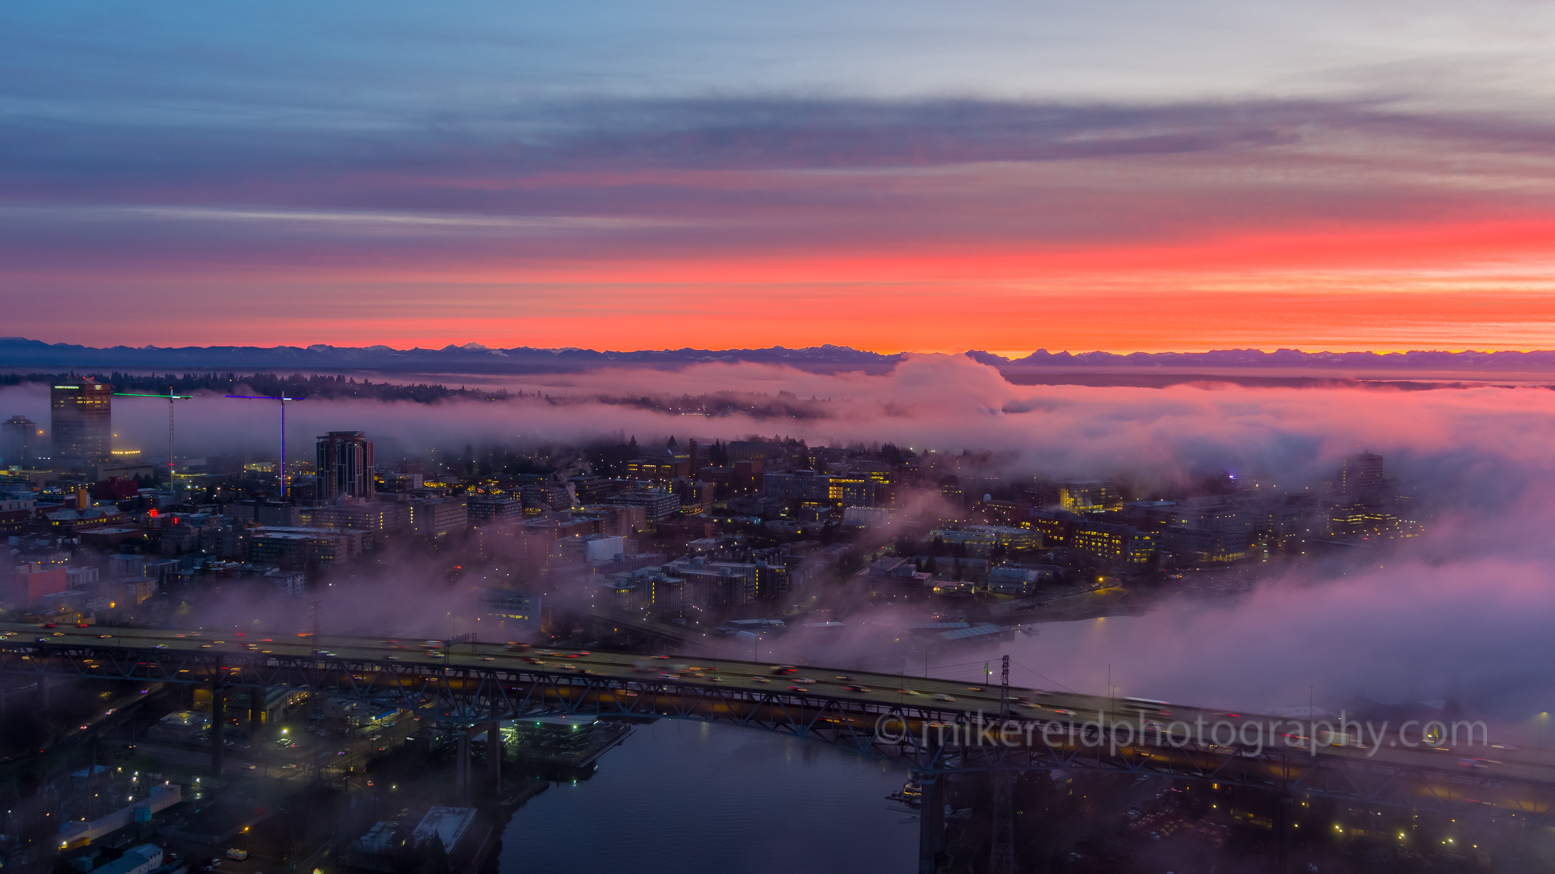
x=172 y=483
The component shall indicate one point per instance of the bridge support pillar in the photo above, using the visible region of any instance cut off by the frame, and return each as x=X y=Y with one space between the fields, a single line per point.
x=218 y=724
x=1002 y=855
x=1282 y=833
x=256 y=712
x=494 y=756
x=931 y=831
x=462 y=769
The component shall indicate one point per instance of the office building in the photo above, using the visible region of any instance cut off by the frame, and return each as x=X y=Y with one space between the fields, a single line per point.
x=1089 y=497
x=345 y=466
x=752 y=450
x=659 y=470
x=657 y=504
x=1360 y=476
x=81 y=418
x=695 y=496
x=514 y=611
x=18 y=436
x=728 y=583
x=815 y=489
x=486 y=509
x=542 y=496
x=1113 y=542
x=379 y=520
x=981 y=541
x=434 y=516
x=303 y=548
x=593 y=489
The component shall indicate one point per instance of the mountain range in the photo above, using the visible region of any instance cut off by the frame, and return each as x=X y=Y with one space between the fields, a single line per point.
x=18 y=352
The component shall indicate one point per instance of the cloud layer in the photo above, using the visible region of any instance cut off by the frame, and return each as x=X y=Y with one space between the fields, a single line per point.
x=926 y=223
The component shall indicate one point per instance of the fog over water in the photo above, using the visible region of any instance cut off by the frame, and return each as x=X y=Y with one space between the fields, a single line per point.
x=1464 y=612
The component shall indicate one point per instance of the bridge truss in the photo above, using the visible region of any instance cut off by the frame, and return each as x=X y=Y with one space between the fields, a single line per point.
x=931 y=737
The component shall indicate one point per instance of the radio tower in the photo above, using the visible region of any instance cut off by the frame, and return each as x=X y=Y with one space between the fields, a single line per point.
x=1001 y=858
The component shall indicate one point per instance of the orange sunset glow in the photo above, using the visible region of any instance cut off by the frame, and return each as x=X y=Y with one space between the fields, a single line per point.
x=1227 y=201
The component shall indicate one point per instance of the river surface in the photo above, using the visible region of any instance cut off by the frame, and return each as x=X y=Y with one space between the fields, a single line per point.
x=684 y=796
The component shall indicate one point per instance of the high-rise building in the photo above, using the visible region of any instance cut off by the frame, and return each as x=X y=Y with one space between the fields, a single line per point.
x=345 y=466
x=81 y=418
x=18 y=436
x=1361 y=476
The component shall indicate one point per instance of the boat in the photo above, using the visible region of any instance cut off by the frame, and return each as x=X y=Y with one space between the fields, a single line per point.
x=911 y=793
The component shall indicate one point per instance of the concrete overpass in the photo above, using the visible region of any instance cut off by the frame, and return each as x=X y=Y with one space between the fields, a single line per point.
x=935 y=726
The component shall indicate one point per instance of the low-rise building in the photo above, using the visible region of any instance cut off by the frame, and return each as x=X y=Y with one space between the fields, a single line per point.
x=728 y=583
x=487 y=509
x=816 y=489
x=302 y=548
x=378 y=520
x=435 y=516
x=866 y=517
x=28 y=584
x=449 y=824
x=657 y=504
x=892 y=577
x=983 y=540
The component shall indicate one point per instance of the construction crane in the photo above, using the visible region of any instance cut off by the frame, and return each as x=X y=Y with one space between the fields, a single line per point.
x=283 y=399
x=172 y=483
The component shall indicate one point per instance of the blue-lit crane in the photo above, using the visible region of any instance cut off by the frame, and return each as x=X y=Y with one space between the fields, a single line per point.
x=283 y=399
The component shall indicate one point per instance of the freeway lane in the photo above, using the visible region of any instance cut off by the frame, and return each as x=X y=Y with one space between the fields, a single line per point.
x=946 y=697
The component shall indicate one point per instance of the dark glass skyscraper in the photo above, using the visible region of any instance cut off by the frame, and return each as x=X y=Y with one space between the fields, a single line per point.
x=81 y=416
x=1361 y=476
x=18 y=439
x=345 y=466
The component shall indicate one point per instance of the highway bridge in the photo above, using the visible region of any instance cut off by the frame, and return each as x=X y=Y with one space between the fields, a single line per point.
x=935 y=726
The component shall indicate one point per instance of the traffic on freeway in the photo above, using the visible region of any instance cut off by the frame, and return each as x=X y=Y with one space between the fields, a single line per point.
x=948 y=698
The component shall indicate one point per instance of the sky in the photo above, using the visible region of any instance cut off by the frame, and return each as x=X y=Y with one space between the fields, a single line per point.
x=923 y=176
